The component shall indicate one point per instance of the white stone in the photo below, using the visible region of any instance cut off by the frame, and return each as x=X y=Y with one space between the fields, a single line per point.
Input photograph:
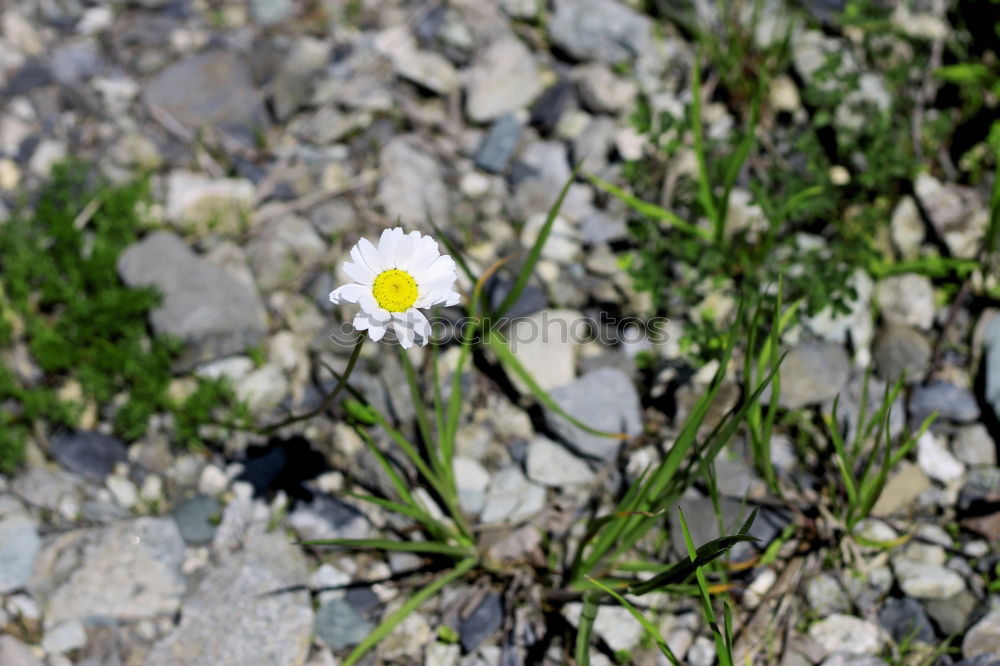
x=907 y=299
x=784 y=94
x=45 y=156
x=65 y=636
x=846 y=633
x=202 y=203
x=123 y=491
x=543 y=343
x=936 y=461
x=613 y=623
x=550 y=464
x=425 y=68
x=511 y=498
x=95 y=20
x=907 y=228
x=471 y=479
x=922 y=580
x=563 y=242
x=212 y=480
x=263 y=388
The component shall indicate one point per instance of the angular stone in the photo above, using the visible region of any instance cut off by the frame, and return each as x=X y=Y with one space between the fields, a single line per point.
x=198 y=203
x=812 y=373
x=848 y=634
x=552 y=465
x=603 y=30
x=19 y=546
x=498 y=145
x=202 y=304
x=504 y=78
x=899 y=350
x=604 y=399
x=213 y=88
x=907 y=300
x=94 y=574
x=244 y=612
x=411 y=188
x=92 y=455
x=983 y=637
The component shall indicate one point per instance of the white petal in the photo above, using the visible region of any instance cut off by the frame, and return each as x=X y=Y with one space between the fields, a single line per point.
x=423 y=257
x=404 y=333
x=368 y=302
x=404 y=250
x=360 y=273
x=360 y=322
x=377 y=330
x=360 y=260
x=370 y=255
x=420 y=323
x=387 y=247
x=453 y=298
x=380 y=315
x=348 y=293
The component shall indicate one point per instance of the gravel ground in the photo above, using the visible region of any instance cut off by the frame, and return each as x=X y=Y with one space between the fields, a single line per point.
x=278 y=132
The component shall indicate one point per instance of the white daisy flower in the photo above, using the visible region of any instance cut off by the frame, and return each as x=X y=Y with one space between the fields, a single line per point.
x=405 y=272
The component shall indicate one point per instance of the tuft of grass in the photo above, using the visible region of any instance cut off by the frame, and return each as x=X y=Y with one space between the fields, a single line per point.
x=60 y=284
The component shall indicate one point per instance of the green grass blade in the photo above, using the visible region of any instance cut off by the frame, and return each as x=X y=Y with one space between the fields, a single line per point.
x=705 y=196
x=427 y=547
x=585 y=628
x=536 y=251
x=453 y=250
x=649 y=627
x=414 y=602
x=650 y=210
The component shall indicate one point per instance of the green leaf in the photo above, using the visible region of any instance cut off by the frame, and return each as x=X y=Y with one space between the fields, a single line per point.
x=650 y=210
x=427 y=547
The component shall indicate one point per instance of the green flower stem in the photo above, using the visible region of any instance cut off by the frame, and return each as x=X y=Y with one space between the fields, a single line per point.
x=329 y=398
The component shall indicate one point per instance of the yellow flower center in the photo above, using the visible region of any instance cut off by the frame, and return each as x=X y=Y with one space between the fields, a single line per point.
x=395 y=290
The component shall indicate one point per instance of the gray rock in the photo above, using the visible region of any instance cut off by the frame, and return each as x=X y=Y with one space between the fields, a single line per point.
x=243 y=612
x=202 y=305
x=425 y=68
x=953 y=403
x=548 y=108
x=842 y=659
x=981 y=660
x=552 y=465
x=512 y=498
x=75 y=62
x=905 y=619
x=19 y=546
x=47 y=488
x=603 y=30
x=498 y=146
x=15 y=653
x=592 y=147
x=471 y=481
x=952 y=614
x=604 y=399
x=411 y=188
x=213 y=88
x=544 y=344
x=540 y=173
x=983 y=637
x=504 y=78
x=826 y=595
x=974 y=446
x=88 y=574
x=957 y=214
x=92 y=455
x=812 y=373
x=340 y=626
x=936 y=460
x=283 y=252
x=197 y=518
x=602 y=91
x=64 y=637
x=900 y=349
x=482 y=623
x=991 y=345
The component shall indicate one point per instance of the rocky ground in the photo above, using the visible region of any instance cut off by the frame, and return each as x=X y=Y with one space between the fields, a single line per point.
x=278 y=133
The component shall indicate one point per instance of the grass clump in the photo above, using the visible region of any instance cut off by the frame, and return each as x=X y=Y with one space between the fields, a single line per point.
x=64 y=304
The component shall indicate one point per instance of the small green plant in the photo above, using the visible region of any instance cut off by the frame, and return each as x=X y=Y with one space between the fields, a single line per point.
x=865 y=461
x=603 y=562
x=59 y=282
